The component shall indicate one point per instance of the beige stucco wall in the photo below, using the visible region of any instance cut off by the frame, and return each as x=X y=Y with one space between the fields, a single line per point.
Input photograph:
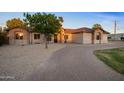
x=105 y=38
x=61 y=36
x=36 y=41
x=77 y=38
x=69 y=40
x=87 y=38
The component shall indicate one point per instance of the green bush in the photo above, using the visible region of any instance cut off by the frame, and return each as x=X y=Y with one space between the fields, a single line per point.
x=2 y=38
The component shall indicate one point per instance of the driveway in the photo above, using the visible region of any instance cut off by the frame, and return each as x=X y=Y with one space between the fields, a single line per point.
x=77 y=62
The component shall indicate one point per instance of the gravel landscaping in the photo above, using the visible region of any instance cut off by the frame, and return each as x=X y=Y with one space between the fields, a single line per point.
x=17 y=62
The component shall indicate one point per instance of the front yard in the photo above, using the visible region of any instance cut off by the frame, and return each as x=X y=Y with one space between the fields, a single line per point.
x=112 y=57
x=17 y=62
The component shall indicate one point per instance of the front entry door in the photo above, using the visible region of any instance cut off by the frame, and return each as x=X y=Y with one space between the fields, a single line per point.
x=55 y=39
x=98 y=37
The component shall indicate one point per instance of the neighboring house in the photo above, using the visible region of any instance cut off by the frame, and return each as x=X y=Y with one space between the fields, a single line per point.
x=119 y=36
x=83 y=35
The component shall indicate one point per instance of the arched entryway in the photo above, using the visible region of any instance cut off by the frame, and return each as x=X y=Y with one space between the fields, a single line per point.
x=98 y=37
x=19 y=37
x=55 y=38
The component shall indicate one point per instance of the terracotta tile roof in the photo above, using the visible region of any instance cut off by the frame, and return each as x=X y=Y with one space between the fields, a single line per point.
x=84 y=29
x=81 y=30
x=69 y=30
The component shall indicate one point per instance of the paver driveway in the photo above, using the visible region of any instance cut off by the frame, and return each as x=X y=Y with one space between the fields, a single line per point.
x=76 y=62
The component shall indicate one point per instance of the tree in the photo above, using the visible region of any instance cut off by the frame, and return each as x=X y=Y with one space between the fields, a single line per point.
x=97 y=26
x=45 y=23
x=15 y=23
x=0 y=28
x=2 y=38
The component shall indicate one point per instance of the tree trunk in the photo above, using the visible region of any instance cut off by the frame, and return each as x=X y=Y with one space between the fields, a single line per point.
x=46 y=42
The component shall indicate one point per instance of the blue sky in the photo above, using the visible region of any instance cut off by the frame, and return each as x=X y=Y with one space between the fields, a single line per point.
x=80 y=19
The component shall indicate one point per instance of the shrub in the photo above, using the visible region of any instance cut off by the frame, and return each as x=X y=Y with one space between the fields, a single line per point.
x=2 y=38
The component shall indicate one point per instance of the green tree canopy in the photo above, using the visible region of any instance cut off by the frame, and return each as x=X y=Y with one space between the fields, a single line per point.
x=97 y=26
x=45 y=23
x=15 y=23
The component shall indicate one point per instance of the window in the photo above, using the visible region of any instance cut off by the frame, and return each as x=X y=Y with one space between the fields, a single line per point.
x=36 y=36
x=66 y=37
x=19 y=36
x=109 y=37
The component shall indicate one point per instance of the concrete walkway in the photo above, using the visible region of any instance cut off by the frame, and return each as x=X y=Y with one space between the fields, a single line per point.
x=76 y=62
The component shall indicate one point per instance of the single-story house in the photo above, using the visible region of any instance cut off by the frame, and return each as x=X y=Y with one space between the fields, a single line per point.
x=19 y=36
